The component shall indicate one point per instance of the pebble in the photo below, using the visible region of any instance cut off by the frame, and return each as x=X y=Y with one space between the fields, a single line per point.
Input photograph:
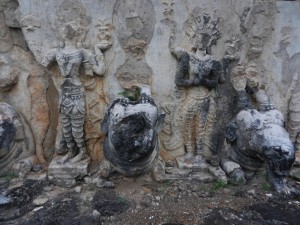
x=40 y=201
x=251 y=192
x=157 y=198
x=37 y=167
x=78 y=189
x=4 y=200
x=38 y=208
x=96 y=214
x=269 y=195
x=47 y=188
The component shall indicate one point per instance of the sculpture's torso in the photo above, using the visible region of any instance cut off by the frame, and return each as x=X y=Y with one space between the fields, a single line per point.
x=199 y=68
x=69 y=62
x=72 y=92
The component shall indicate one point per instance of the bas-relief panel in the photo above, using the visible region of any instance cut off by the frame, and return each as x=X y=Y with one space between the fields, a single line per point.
x=193 y=54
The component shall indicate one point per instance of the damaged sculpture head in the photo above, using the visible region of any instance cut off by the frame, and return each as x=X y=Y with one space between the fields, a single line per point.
x=131 y=129
x=256 y=138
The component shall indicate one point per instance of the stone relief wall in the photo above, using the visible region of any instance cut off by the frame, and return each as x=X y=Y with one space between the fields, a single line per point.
x=63 y=62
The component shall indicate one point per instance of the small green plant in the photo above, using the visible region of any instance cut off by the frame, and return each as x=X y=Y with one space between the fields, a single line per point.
x=219 y=184
x=165 y=186
x=121 y=200
x=132 y=95
x=8 y=177
x=266 y=186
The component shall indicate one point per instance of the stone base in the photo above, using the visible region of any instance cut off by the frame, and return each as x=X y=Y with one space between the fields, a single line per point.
x=63 y=182
x=188 y=167
x=65 y=174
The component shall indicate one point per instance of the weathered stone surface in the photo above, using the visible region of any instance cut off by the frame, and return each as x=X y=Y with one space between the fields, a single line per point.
x=99 y=182
x=10 y=7
x=6 y=41
x=257 y=137
x=295 y=173
x=131 y=129
x=58 y=169
x=252 y=40
x=8 y=76
x=68 y=183
x=40 y=201
x=16 y=139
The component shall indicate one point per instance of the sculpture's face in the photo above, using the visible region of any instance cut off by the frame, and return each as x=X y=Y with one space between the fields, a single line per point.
x=201 y=41
x=104 y=33
x=69 y=32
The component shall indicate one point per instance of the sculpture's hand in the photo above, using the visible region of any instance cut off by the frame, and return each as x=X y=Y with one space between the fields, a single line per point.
x=103 y=46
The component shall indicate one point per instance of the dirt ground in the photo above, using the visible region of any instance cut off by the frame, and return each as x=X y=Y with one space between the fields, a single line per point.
x=136 y=201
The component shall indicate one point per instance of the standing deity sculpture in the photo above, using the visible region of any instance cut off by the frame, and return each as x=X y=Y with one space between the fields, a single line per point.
x=72 y=110
x=198 y=73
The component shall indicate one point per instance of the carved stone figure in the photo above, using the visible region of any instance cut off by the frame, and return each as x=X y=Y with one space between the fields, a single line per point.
x=255 y=138
x=134 y=22
x=8 y=76
x=131 y=129
x=200 y=73
x=293 y=98
x=16 y=139
x=72 y=103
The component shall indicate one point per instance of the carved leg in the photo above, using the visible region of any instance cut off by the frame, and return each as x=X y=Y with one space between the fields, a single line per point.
x=188 y=127
x=78 y=134
x=201 y=125
x=210 y=142
x=67 y=133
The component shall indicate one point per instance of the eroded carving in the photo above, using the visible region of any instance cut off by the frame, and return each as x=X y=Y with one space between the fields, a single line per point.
x=255 y=137
x=200 y=73
x=134 y=22
x=30 y=23
x=203 y=27
x=191 y=119
x=293 y=125
x=16 y=140
x=168 y=7
x=6 y=41
x=8 y=76
x=131 y=129
x=72 y=107
x=197 y=74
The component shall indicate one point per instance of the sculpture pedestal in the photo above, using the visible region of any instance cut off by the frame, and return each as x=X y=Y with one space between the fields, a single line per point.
x=65 y=174
x=188 y=167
